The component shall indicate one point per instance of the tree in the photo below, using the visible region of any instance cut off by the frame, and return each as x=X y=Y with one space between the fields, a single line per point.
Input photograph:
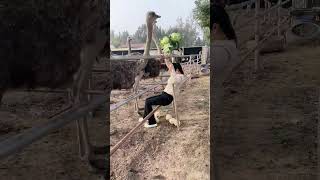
x=115 y=41
x=120 y=39
x=199 y=42
x=140 y=35
x=201 y=14
x=187 y=29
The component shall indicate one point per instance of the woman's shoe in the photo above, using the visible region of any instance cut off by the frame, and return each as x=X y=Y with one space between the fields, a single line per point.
x=147 y=125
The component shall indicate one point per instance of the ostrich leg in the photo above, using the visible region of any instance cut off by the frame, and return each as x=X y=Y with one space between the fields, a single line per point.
x=1 y=95
x=83 y=138
x=150 y=21
x=136 y=89
x=4 y=74
x=88 y=55
x=2 y=90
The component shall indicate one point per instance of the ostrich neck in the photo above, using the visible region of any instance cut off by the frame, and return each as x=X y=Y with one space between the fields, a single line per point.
x=148 y=41
x=155 y=39
x=129 y=47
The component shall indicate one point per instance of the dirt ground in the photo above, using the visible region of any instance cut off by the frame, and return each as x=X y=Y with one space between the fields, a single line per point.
x=269 y=124
x=54 y=156
x=164 y=152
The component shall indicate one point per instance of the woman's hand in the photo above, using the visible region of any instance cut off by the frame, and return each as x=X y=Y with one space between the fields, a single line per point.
x=162 y=57
x=168 y=62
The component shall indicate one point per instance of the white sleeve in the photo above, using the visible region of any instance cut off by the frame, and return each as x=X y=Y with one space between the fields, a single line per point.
x=220 y=61
x=173 y=72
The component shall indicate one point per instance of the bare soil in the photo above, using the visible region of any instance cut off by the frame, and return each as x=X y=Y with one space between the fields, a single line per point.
x=269 y=124
x=164 y=152
x=54 y=156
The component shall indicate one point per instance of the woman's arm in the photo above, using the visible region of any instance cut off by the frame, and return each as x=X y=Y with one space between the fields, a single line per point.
x=169 y=64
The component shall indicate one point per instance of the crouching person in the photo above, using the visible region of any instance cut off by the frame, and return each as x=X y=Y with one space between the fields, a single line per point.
x=166 y=97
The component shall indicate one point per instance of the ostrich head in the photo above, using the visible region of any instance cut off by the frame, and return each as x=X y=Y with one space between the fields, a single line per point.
x=152 y=18
x=129 y=39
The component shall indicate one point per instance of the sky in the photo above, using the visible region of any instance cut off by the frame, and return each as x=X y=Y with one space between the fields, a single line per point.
x=130 y=14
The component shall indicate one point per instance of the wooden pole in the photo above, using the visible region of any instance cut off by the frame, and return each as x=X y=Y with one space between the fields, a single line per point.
x=266 y=6
x=256 y=31
x=175 y=107
x=117 y=146
x=279 y=18
x=249 y=20
x=248 y=53
x=269 y=14
x=318 y=139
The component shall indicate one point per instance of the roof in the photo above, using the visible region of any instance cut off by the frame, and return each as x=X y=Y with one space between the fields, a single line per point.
x=134 y=46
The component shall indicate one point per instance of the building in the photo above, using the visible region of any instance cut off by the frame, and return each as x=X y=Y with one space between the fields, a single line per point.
x=139 y=48
x=305 y=4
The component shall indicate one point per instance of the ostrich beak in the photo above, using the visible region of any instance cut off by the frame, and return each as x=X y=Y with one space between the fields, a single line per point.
x=157 y=16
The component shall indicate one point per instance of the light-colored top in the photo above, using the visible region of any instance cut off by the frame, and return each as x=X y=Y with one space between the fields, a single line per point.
x=176 y=80
x=225 y=55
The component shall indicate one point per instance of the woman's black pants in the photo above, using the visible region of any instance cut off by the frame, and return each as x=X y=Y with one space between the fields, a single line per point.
x=163 y=99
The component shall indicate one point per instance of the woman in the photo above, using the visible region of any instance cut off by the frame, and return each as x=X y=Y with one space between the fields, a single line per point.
x=225 y=56
x=166 y=97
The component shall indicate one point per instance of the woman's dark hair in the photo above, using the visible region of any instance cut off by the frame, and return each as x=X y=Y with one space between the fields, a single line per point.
x=219 y=15
x=178 y=66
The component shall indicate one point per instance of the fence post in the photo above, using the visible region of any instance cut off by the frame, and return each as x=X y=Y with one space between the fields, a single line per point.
x=257 y=37
x=269 y=14
x=266 y=6
x=279 y=17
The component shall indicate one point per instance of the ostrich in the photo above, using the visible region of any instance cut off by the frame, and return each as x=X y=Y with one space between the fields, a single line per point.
x=127 y=74
x=129 y=39
x=52 y=44
x=143 y=67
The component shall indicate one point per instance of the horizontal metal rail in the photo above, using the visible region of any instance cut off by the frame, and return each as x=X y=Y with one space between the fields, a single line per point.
x=130 y=98
x=267 y=35
x=261 y=14
x=96 y=70
x=150 y=84
x=17 y=142
x=62 y=91
x=127 y=136
x=240 y=5
x=137 y=58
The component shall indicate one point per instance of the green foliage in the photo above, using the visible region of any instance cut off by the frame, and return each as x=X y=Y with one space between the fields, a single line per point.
x=176 y=37
x=167 y=48
x=165 y=40
x=186 y=34
x=140 y=35
x=171 y=43
x=201 y=14
x=120 y=39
